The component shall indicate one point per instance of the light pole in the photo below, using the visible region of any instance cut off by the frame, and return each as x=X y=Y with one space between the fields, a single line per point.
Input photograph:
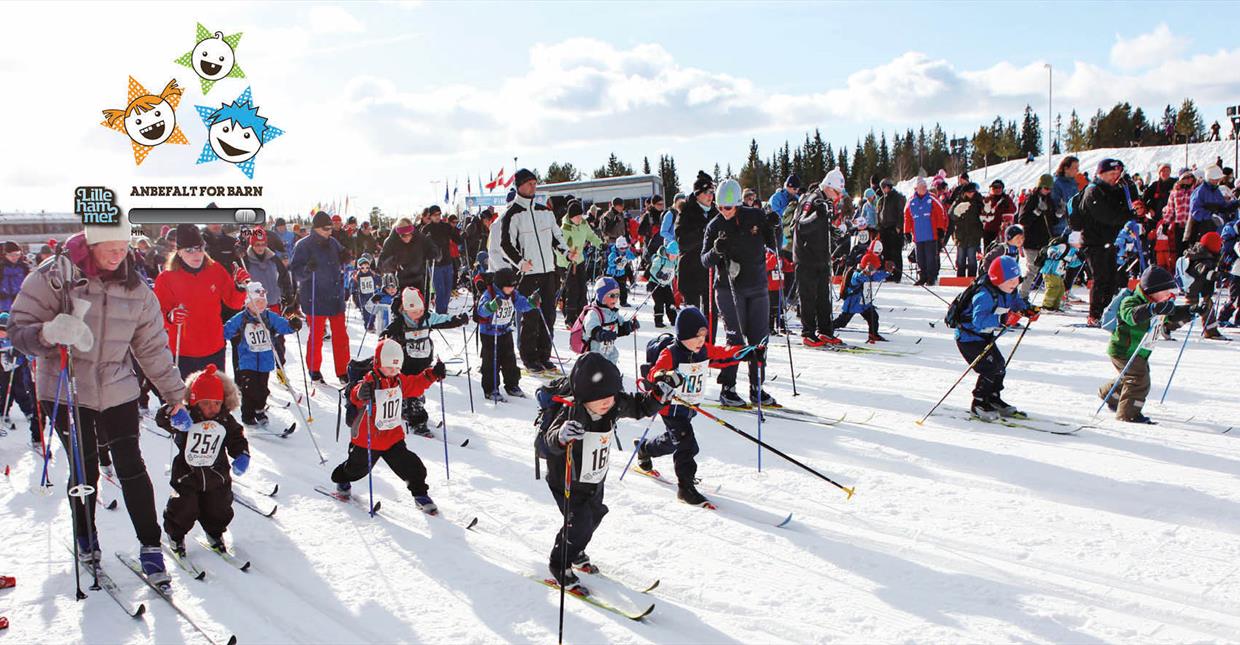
x=1050 y=111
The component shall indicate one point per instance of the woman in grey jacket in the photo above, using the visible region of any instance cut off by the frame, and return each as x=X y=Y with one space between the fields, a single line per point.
x=115 y=320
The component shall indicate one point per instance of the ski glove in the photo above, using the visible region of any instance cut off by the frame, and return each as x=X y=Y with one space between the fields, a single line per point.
x=1032 y=313
x=365 y=391
x=241 y=277
x=721 y=246
x=438 y=370
x=1163 y=308
x=294 y=324
x=604 y=335
x=492 y=305
x=241 y=463
x=1012 y=319
x=571 y=431
x=181 y=420
x=376 y=298
x=68 y=330
x=627 y=327
x=178 y=315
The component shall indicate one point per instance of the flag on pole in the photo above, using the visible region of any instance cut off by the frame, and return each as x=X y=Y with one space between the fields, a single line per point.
x=445 y=191
x=498 y=181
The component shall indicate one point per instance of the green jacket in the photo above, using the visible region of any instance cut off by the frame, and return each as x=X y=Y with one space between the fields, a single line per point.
x=576 y=236
x=1131 y=327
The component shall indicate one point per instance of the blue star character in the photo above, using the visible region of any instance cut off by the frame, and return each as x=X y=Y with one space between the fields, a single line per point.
x=235 y=133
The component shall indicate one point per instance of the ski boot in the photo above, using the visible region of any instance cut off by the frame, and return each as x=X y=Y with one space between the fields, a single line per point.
x=496 y=396
x=248 y=419
x=426 y=504
x=1138 y=418
x=177 y=546
x=216 y=542
x=1213 y=334
x=89 y=553
x=108 y=471
x=876 y=338
x=343 y=490
x=658 y=323
x=768 y=401
x=567 y=579
x=261 y=418
x=982 y=410
x=152 y=559
x=316 y=376
x=421 y=430
x=688 y=493
x=583 y=564
x=730 y=399
x=1006 y=410
x=515 y=392
x=830 y=340
x=644 y=461
x=812 y=340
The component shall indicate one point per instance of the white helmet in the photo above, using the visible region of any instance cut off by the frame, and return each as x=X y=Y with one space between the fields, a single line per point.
x=622 y=242
x=729 y=193
x=411 y=298
x=388 y=353
x=834 y=180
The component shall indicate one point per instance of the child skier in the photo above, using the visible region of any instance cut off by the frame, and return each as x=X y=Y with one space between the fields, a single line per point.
x=601 y=322
x=994 y=307
x=777 y=269
x=683 y=366
x=586 y=426
x=663 y=278
x=1129 y=250
x=411 y=328
x=378 y=431
x=15 y=381
x=380 y=305
x=366 y=284
x=618 y=258
x=1061 y=255
x=496 y=311
x=201 y=484
x=251 y=330
x=857 y=292
x=1198 y=270
x=1153 y=297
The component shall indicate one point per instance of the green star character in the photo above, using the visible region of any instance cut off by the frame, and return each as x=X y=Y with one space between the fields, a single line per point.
x=213 y=58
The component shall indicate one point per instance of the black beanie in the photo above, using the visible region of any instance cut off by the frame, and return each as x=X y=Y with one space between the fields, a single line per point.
x=10 y=246
x=505 y=277
x=523 y=175
x=574 y=208
x=793 y=181
x=1156 y=279
x=188 y=235
x=321 y=219
x=594 y=377
x=689 y=322
x=703 y=182
x=433 y=209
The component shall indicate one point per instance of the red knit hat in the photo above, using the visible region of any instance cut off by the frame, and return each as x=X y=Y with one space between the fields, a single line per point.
x=258 y=236
x=870 y=261
x=1212 y=241
x=207 y=387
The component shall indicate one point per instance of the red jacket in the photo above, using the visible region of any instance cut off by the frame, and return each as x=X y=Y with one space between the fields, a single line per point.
x=410 y=385
x=204 y=294
x=775 y=277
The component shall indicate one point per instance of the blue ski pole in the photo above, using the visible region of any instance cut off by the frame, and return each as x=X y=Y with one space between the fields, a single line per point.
x=640 y=442
x=1137 y=352
x=370 y=464
x=1187 y=335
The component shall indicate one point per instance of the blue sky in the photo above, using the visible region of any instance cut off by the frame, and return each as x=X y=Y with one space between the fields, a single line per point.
x=380 y=99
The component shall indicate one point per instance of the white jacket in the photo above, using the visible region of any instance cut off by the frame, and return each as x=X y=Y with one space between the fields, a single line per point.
x=526 y=231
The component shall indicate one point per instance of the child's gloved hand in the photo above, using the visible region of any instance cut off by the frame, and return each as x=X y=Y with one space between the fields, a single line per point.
x=241 y=463
x=181 y=420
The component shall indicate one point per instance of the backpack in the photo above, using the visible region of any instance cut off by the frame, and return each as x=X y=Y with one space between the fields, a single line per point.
x=1110 y=317
x=960 y=310
x=551 y=401
x=1076 y=213
x=1044 y=252
x=655 y=347
x=356 y=371
x=577 y=334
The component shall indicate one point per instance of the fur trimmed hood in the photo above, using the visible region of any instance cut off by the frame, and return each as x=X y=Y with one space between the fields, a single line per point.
x=232 y=395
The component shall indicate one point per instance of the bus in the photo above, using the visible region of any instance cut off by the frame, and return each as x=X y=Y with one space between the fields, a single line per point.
x=635 y=190
x=34 y=229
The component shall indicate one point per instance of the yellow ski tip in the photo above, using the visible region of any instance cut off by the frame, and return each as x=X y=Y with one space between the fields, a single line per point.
x=920 y=422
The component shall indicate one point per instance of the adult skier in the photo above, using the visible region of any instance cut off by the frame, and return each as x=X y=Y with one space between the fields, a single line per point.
x=813 y=243
x=690 y=224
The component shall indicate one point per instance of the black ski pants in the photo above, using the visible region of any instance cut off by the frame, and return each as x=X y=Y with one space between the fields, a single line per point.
x=814 y=286
x=498 y=359
x=537 y=324
x=586 y=511
x=403 y=461
x=189 y=503
x=990 y=370
x=745 y=313
x=679 y=442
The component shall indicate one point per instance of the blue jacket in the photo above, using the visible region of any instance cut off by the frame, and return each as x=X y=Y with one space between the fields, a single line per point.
x=1062 y=190
x=667 y=228
x=1127 y=242
x=380 y=309
x=509 y=307
x=870 y=213
x=288 y=238
x=990 y=306
x=317 y=266
x=247 y=359
x=11 y=277
x=1208 y=200
x=618 y=260
x=1060 y=257
x=921 y=210
x=860 y=297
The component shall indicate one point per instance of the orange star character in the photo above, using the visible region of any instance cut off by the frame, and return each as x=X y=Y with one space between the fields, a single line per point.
x=148 y=120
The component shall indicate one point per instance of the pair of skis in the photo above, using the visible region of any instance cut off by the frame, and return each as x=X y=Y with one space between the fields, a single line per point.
x=198 y=573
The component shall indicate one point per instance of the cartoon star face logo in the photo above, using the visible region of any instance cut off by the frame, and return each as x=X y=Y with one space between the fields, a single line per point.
x=236 y=132
x=148 y=119
x=213 y=58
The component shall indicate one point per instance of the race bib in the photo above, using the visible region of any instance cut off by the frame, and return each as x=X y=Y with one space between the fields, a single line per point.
x=387 y=408
x=418 y=343
x=503 y=315
x=366 y=284
x=595 y=457
x=258 y=337
x=777 y=275
x=202 y=444
x=694 y=385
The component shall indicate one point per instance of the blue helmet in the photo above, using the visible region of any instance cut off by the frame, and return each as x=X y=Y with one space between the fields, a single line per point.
x=604 y=286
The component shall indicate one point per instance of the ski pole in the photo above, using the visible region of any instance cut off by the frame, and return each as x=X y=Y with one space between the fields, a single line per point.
x=177 y=358
x=468 y=378
x=339 y=411
x=297 y=406
x=931 y=291
x=549 y=339
x=968 y=369
x=792 y=372
x=1187 y=335
x=568 y=511
x=640 y=443
x=443 y=420
x=708 y=415
x=1137 y=352
x=740 y=330
x=1018 y=339
x=370 y=463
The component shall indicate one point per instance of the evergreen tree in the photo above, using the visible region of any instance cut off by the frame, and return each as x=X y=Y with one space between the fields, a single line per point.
x=1009 y=144
x=667 y=175
x=1188 y=122
x=558 y=173
x=983 y=145
x=717 y=176
x=1075 y=139
x=850 y=178
x=752 y=173
x=937 y=158
x=645 y=165
x=1030 y=133
x=728 y=173
x=1166 y=127
x=613 y=168
x=884 y=156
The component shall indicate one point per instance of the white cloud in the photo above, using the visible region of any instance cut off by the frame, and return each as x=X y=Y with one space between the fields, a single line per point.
x=1146 y=50
x=332 y=20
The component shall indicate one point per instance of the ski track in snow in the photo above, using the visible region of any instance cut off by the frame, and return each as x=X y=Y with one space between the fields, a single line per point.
x=959 y=530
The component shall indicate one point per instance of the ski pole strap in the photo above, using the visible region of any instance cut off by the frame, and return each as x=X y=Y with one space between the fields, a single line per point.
x=708 y=415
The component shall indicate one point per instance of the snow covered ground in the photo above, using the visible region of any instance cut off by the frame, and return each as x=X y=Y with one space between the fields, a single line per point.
x=959 y=531
x=1017 y=174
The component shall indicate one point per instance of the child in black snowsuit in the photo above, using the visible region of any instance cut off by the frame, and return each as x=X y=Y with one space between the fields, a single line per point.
x=584 y=425
x=201 y=484
x=411 y=327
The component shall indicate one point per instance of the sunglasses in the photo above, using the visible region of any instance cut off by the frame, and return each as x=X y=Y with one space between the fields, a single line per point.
x=192 y=249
